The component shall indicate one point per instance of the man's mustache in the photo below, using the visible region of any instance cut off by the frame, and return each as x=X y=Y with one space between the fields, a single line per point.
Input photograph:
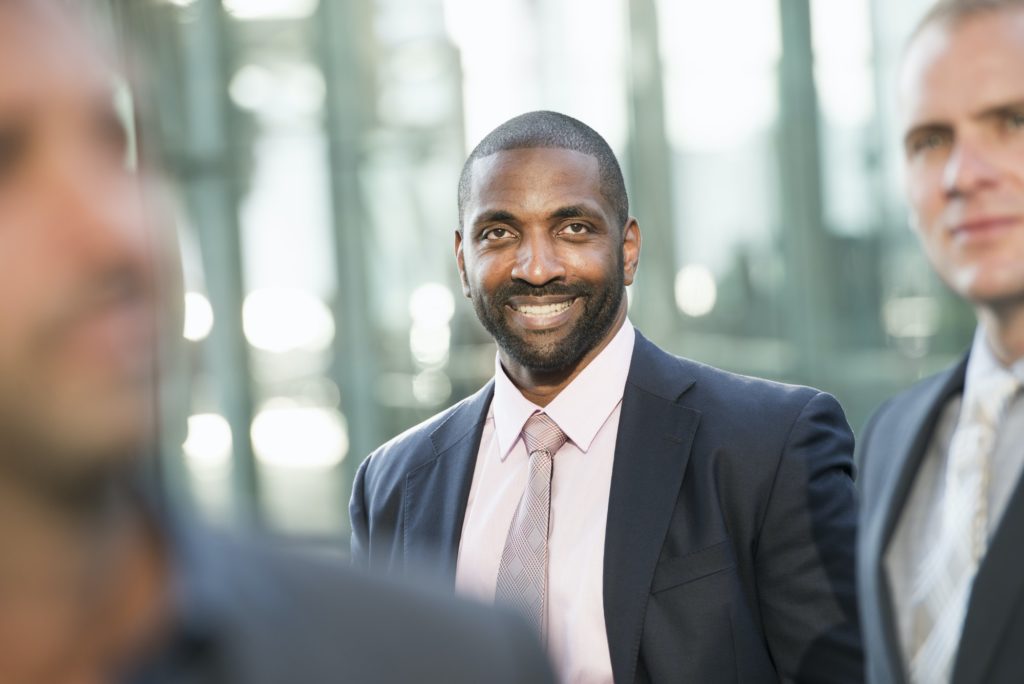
x=521 y=289
x=124 y=287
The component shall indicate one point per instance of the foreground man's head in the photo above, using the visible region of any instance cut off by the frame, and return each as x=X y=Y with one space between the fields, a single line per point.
x=98 y=584
x=77 y=291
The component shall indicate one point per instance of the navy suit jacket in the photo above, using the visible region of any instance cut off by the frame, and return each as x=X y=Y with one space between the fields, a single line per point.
x=246 y=612
x=730 y=531
x=895 y=441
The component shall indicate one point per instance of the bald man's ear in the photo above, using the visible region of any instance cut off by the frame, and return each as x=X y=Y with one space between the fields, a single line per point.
x=630 y=250
x=460 y=261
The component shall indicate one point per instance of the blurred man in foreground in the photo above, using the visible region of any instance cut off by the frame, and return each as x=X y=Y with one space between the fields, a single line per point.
x=941 y=567
x=97 y=583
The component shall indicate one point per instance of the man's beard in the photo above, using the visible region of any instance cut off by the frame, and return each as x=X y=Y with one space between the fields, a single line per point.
x=601 y=306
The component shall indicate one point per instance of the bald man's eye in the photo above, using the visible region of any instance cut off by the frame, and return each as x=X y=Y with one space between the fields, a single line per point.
x=496 y=233
x=576 y=229
x=14 y=144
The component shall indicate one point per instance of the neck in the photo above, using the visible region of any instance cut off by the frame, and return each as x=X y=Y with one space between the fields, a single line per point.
x=81 y=580
x=541 y=387
x=1004 y=331
x=53 y=539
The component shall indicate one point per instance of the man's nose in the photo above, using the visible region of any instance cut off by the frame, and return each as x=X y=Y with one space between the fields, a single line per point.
x=968 y=169
x=100 y=211
x=538 y=260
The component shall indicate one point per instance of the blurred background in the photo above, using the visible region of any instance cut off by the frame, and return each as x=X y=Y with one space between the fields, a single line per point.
x=316 y=147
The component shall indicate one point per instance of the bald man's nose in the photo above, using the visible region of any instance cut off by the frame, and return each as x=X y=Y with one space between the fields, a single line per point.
x=538 y=261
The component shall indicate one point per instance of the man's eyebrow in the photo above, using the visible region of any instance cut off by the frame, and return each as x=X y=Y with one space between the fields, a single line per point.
x=494 y=216
x=1000 y=109
x=572 y=211
x=926 y=127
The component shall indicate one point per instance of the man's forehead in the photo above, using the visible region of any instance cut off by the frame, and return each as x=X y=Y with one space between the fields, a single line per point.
x=964 y=63
x=42 y=47
x=515 y=168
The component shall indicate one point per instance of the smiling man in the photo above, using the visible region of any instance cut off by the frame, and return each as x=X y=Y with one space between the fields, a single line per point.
x=658 y=520
x=942 y=592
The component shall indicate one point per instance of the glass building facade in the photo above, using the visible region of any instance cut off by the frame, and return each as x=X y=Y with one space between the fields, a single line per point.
x=314 y=149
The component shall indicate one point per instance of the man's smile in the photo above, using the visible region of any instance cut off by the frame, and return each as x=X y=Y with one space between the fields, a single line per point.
x=543 y=312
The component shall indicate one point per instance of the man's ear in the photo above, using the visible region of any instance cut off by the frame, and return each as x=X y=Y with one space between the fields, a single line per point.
x=630 y=250
x=460 y=261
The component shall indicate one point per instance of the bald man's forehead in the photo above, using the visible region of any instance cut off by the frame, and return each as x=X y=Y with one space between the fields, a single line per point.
x=43 y=46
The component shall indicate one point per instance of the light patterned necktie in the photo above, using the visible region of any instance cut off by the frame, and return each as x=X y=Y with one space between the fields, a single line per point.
x=943 y=581
x=523 y=572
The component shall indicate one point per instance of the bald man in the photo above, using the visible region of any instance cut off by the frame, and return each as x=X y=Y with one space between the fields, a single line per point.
x=97 y=582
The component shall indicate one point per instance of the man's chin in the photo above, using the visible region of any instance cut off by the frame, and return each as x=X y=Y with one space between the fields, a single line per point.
x=108 y=436
x=550 y=356
x=991 y=289
x=75 y=475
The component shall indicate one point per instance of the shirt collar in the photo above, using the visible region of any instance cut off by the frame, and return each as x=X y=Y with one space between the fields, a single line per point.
x=982 y=363
x=580 y=409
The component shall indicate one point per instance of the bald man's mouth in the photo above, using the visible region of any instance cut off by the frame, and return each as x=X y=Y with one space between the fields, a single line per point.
x=112 y=320
x=544 y=313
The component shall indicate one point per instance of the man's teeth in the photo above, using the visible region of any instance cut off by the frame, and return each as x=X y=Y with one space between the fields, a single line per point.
x=545 y=309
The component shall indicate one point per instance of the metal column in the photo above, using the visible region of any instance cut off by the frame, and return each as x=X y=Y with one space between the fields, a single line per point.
x=212 y=190
x=804 y=241
x=345 y=30
x=649 y=170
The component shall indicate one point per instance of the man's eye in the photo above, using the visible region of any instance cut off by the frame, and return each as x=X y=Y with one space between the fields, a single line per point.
x=576 y=229
x=496 y=234
x=1014 y=121
x=13 y=149
x=931 y=140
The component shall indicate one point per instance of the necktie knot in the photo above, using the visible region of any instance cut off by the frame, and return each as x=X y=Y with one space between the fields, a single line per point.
x=542 y=434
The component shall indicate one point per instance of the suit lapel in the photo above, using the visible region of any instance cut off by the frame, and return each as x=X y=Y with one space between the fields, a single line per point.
x=996 y=595
x=436 y=493
x=652 y=449
x=909 y=440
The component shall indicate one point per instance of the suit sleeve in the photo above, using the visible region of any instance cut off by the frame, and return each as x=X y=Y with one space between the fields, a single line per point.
x=360 y=539
x=805 y=556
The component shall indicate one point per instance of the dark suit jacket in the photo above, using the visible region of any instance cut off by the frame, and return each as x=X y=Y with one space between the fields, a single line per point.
x=895 y=440
x=247 y=613
x=730 y=532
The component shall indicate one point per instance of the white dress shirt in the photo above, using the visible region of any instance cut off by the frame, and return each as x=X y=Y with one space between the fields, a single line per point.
x=921 y=519
x=587 y=411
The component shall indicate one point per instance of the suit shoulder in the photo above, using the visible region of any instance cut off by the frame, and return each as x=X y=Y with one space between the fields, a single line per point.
x=923 y=392
x=746 y=392
x=912 y=404
x=415 y=446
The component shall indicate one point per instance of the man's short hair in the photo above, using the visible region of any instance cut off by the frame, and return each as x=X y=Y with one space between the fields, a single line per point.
x=544 y=129
x=951 y=12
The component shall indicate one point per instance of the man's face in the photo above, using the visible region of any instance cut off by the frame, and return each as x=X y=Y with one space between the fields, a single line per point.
x=963 y=97
x=543 y=258
x=77 y=297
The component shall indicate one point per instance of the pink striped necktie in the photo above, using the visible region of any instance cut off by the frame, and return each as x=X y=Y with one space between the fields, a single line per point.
x=523 y=572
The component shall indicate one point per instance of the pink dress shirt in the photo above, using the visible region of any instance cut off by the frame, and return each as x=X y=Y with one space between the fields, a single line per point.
x=587 y=411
